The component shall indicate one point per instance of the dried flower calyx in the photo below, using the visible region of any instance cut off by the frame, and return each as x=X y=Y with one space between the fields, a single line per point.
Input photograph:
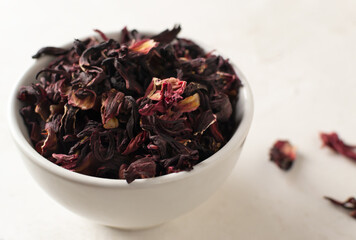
x=349 y=204
x=138 y=107
x=283 y=154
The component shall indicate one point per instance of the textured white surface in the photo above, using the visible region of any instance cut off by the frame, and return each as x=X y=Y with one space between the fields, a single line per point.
x=299 y=57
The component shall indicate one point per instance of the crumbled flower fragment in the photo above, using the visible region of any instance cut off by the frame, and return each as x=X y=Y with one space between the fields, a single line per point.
x=349 y=204
x=283 y=154
x=333 y=141
x=136 y=107
x=169 y=89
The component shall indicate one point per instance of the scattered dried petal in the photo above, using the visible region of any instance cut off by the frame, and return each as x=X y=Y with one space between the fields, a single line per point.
x=349 y=204
x=283 y=154
x=333 y=141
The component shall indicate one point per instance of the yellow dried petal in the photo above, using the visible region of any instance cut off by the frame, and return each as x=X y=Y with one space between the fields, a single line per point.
x=189 y=104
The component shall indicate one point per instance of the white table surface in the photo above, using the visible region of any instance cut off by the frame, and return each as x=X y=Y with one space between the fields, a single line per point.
x=300 y=59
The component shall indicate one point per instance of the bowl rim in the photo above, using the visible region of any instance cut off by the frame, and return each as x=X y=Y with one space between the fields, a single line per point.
x=26 y=148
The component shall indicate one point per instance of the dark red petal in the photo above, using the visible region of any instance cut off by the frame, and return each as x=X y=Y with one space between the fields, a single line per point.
x=333 y=141
x=66 y=161
x=136 y=143
x=52 y=51
x=110 y=104
x=102 y=35
x=141 y=168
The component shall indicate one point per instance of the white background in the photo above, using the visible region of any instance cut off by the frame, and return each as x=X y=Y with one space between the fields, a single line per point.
x=300 y=59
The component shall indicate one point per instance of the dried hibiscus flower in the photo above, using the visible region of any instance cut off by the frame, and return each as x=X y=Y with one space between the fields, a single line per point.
x=283 y=154
x=138 y=107
x=349 y=204
x=333 y=141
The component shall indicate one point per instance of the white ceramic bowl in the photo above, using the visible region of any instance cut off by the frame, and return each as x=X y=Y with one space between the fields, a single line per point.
x=144 y=202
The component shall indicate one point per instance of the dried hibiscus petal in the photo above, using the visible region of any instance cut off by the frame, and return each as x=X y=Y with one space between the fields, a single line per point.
x=53 y=51
x=82 y=98
x=135 y=143
x=50 y=144
x=110 y=108
x=333 y=141
x=141 y=168
x=66 y=161
x=189 y=104
x=143 y=46
x=349 y=204
x=283 y=154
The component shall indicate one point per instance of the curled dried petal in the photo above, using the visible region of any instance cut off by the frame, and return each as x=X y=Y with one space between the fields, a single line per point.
x=206 y=119
x=141 y=168
x=333 y=141
x=32 y=94
x=349 y=204
x=221 y=106
x=50 y=143
x=143 y=46
x=189 y=104
x=42 y=108
x=110 y=104
x=103 y=145
x=52 y=51
x=68 y=119
x=135 y=143
x=86 y=57
x=67 y=161
x=102 y=35
x=82 y=98
x=167 y=36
